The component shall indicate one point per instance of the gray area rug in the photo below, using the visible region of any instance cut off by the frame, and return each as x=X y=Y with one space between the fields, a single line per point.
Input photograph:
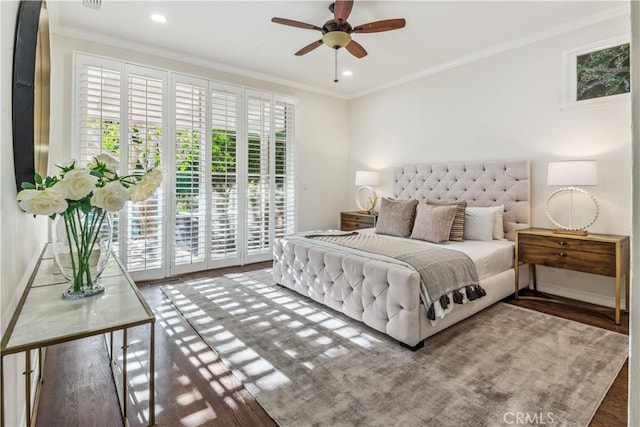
x=308 y=365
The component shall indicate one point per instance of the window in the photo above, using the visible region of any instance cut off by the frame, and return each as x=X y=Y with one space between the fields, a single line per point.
x=190 y=192
x=228 y=156
x=225 y=118
x=145 y=233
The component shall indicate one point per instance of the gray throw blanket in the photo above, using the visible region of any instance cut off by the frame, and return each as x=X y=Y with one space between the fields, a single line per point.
x=444 y=273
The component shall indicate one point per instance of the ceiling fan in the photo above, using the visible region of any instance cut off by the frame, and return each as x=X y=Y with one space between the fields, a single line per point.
x=336 y=32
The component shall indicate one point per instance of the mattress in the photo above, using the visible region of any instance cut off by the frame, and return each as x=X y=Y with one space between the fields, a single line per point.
x=490 y=257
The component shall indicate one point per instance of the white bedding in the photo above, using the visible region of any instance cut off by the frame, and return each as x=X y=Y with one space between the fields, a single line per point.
x=490 y=257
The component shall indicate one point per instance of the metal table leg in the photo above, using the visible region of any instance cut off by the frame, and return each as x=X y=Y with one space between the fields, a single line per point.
x=125 y=346
x=152 y=374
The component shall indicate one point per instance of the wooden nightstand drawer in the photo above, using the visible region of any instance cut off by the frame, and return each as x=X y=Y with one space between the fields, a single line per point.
x=568 y=243
x=350 y=221
x=559 y=257
x=603 y=254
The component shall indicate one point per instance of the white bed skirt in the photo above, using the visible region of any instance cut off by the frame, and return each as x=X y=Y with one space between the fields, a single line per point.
x=383 y=296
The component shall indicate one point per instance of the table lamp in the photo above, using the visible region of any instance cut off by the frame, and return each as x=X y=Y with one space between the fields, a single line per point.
x=367 y=179
x=572 y=173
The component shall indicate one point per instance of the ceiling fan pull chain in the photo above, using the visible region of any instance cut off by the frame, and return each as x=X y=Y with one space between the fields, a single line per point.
x=335 y=67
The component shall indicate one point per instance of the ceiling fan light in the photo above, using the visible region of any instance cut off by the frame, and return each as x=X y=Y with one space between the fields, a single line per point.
x=336 y=39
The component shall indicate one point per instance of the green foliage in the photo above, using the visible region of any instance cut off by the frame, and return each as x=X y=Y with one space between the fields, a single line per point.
x=604 y=72
x=146 y=149
x=109 y=134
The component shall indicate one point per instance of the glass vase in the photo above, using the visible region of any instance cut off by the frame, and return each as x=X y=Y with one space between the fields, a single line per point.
x=81 y=249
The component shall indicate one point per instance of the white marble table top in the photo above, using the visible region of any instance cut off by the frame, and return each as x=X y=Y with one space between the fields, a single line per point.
x=45 y=318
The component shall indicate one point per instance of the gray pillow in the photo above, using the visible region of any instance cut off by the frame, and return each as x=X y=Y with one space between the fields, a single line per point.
x=457 y=228
x=433 y=223
x=396 y=217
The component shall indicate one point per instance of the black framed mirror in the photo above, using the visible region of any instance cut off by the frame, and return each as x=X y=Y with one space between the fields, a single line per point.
x=31 y=88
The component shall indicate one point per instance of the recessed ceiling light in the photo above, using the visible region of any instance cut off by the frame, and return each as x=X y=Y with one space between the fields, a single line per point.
x=158 y=18
x=347 y=73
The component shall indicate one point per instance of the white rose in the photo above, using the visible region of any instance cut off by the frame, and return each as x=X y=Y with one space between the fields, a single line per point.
x=42 y=202
x=78 y=183
x=111 y=197
x=110 y=162
x=155 y=176
x=142 y=191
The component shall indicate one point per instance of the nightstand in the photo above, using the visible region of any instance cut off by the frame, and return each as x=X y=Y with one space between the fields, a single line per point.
x=603 y=254
x=355 y=220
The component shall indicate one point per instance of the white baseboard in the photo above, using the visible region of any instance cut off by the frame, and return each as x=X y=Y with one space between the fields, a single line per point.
x=580 y=295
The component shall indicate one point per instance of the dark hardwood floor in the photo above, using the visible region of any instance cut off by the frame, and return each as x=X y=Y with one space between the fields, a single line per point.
x=193 y=387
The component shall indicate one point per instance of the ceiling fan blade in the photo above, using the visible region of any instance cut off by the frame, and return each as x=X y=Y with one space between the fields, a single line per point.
x=342 y=10
x=296 y=24
x=356 y=49
x=308 y=48
x=379 y=26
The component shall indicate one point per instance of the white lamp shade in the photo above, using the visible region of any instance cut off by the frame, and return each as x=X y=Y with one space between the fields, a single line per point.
x=573 y=173
x=367 y=178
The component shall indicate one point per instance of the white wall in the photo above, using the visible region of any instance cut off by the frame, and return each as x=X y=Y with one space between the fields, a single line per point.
x=506 y=107
x=21 y=236
x=322 y=128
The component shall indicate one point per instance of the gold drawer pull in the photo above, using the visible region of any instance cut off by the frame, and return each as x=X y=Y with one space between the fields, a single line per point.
x=562 y=242
x=562 y=254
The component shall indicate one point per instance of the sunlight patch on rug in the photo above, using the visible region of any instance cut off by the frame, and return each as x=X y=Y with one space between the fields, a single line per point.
x=306 y=364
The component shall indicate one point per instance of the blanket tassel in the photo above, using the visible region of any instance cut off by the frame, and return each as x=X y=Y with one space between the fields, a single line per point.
x=457 y=297
x=444 y=301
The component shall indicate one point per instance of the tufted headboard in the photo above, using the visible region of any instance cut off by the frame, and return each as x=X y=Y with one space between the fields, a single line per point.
x=489 y=183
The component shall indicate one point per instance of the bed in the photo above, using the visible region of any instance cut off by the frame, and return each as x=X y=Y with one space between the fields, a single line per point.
x=386 y=295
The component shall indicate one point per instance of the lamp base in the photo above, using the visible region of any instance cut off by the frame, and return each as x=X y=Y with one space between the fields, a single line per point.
x=571 y=232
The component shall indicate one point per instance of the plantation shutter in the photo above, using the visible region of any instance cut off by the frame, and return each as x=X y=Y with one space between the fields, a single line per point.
x=98 y=120
x=190 y=172
x=225 y=113
x=145 y=229
x=227 y=153
x=98 y=117
x=284 y=164
x=259 y=113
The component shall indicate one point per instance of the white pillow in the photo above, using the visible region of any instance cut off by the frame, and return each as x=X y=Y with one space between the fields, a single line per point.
x=480 y=222
x=498 y=225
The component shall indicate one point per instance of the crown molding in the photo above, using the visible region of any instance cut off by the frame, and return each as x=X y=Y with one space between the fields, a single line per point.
x=188 y=59
x=577 y=24
x=501 y=48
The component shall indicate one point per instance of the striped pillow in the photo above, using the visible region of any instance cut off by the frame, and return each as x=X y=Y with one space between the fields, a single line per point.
x=457 y=228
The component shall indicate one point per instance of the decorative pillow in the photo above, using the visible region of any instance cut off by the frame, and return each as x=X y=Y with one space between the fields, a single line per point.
x=396 y=217
x=498 y=225
x=457 y=229
x=433 y=223
x=479 y=222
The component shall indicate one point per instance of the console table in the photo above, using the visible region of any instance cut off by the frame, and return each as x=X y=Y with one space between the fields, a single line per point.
x=43 y=318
